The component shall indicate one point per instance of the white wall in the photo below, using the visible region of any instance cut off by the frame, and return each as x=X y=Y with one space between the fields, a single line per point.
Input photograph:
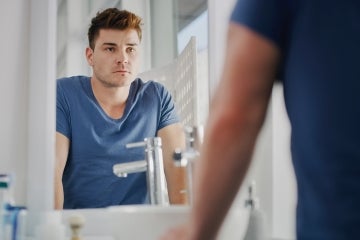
x=76 y=39
x=27 y=99
x=284 y=184
x=163 y=33
x=41 y=105
x=14 y=48
x=271 y=167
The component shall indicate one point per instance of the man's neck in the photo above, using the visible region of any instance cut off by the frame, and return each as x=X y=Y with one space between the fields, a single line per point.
x=111 y=99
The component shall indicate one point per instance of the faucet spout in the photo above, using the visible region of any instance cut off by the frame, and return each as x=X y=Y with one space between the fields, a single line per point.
x=123 y=169
x=153 y=166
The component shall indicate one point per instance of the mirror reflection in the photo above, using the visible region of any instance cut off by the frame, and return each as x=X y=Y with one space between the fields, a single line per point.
x=123 y=95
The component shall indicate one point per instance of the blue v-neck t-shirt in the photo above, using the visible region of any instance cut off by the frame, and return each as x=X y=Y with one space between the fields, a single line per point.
x=97 y=141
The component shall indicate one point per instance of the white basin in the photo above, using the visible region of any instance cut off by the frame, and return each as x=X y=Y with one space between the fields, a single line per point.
x=149 y=222
x=140 y=222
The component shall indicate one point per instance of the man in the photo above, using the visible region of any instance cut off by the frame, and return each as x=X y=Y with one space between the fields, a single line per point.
x=98 y=116
x=313 y=48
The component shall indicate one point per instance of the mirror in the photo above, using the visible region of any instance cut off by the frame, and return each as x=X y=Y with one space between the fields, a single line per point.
x=168 y=27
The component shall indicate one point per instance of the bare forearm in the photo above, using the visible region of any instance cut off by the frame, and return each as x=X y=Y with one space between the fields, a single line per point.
x=177 y=186
x=59 y=194
x=172 y=138
x=176 y=179
x=62 y=150
x=225 y=159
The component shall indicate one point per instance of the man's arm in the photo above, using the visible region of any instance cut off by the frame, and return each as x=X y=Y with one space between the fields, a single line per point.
x=236 y=116
x=62 y=151
x=173 y=137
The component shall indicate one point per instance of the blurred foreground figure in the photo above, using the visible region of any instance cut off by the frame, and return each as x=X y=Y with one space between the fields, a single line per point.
x=313 y=48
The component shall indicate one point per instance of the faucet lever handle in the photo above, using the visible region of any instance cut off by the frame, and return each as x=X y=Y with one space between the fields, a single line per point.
x=148 y=143
x=179 y=159
x=136 y=144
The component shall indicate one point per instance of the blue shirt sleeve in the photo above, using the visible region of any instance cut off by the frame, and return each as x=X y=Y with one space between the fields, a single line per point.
x=168 y=113
x=62 y=112
x=269 y=18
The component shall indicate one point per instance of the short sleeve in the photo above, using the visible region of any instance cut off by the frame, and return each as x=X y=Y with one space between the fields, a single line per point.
x=168 y=113
x=269 y=18
x=62 y=112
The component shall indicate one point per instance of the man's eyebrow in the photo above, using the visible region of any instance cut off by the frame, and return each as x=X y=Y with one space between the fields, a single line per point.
x=109 y=43
x=132 y=44
x=114 y=44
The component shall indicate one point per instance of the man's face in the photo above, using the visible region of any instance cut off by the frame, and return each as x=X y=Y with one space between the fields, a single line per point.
x=115 y=59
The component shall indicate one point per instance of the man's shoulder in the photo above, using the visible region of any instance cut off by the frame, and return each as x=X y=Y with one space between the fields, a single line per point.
x=72 y=86
x=150 y=85
x=141 y=82
x=72 y=81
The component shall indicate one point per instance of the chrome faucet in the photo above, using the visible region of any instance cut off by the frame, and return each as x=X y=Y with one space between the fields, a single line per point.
x=187 y=157
x=154 y=167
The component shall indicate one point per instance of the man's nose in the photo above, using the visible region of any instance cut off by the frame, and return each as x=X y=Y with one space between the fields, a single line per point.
x=122 y=58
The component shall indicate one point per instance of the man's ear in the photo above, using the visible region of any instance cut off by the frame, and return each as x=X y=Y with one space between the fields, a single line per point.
x=89 y=55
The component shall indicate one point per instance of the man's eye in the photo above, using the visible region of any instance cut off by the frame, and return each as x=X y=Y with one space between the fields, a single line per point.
x=130 y=49
x=110 y=49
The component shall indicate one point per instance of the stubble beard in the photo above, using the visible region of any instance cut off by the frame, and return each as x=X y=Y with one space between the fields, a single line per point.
x=115 y=82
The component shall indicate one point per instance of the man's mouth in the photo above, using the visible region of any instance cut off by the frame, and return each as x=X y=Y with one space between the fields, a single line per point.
x=121 y=71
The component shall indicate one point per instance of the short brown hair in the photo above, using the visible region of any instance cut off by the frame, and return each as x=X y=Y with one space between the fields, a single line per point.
x=113 y=18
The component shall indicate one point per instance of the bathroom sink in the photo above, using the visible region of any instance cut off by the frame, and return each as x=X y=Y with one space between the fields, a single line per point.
x=146 y=222
x=139 y=222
